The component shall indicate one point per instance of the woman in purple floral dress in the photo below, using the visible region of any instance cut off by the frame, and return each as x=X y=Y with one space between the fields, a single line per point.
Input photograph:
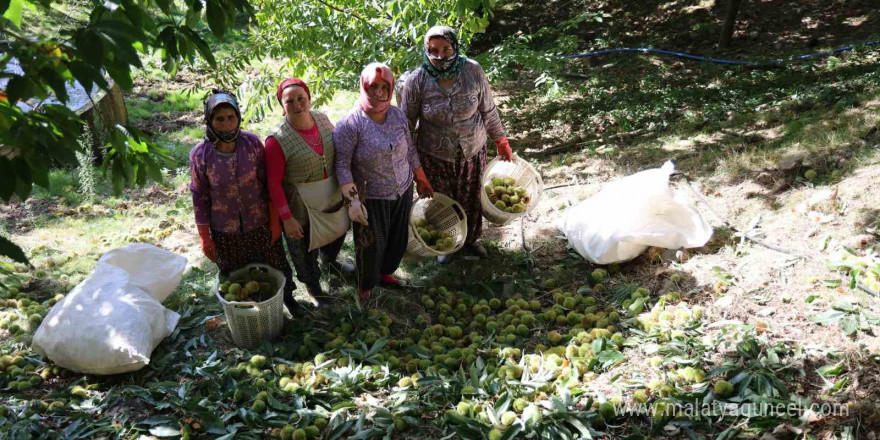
x=230 y=200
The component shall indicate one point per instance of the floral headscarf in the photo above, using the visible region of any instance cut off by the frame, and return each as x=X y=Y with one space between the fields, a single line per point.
x=218 y=98
x=438 y=67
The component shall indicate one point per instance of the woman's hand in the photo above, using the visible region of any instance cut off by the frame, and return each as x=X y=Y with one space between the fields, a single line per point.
x=356 y=213
x=293 y=229
x=208 y=247
x=209 y=250
x=504 y=150
x=424 y=189
x=423 y=186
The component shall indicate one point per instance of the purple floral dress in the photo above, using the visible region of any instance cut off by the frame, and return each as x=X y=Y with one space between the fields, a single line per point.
x=229 y=194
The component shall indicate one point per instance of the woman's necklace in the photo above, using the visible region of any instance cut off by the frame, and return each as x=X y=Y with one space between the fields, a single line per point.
x=303 y=122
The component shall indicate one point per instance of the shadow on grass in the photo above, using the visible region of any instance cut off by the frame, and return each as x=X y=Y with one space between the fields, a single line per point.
x=768 y=28
x=736 y=122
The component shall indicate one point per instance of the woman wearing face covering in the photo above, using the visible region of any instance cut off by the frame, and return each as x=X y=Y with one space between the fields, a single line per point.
x=451 y=111
x=376 y=164
x=228 y=185
x=300 y=159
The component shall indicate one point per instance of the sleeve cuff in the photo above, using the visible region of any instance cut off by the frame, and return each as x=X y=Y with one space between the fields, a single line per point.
x=343 y=179
x=284 y=212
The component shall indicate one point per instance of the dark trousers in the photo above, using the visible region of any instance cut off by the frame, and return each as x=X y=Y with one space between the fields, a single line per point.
x=235 y=251
x=306 y=263
x=380 y=246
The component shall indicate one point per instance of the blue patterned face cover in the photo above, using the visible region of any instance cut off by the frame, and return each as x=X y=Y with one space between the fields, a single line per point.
x=439 y=67
x=218 y=98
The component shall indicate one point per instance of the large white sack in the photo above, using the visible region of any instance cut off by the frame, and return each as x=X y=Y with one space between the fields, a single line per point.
x=109 y=323
x=154 y=269
x=630 y=214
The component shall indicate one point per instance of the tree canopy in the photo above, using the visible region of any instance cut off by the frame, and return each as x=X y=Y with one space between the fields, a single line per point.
x=328 y=42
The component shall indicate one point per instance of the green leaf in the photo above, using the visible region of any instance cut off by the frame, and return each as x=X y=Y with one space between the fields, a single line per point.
x=828 y=317
x=502 y=403
x=849 y=325
x=201 y=46
x=89 y=47
x=469 y=433
x=216 y=14
x=831 y=370
x=4 y=5
x=25 y=178
x=13 y=12
x=340 y=430
x=840 y=384
x=54 y=79
x=739 y=377
x=610 y=357
x=11 y=250
x=120 y=31
x=637 y=306
x=123 y=50
x=831 y=283
x=121 y=73
x=7 y=179
x=341 y=405
x=138 y=17
x=18 y=88
x=729 y=433
x=512 y=431
x=844 y=306
x=429 y=380
x=164 y=5
x=87 y=75
x=722 y=369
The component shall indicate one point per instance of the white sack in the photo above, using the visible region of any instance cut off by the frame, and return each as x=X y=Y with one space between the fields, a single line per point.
x=111 y=321
x=631 y=214
x=152 y=268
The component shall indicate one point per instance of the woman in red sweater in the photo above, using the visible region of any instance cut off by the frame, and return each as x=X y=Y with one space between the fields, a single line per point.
x=300 y=151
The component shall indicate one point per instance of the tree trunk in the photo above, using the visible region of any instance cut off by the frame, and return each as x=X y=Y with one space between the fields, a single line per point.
x=733 y=7
x=108 y=111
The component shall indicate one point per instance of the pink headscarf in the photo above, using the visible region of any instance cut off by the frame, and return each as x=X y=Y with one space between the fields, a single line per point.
x=369 y=75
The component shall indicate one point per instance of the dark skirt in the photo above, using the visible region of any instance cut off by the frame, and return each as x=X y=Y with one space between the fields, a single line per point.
x=460 y=180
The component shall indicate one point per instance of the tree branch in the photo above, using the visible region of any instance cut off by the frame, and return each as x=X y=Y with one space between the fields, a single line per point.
x=363 y=19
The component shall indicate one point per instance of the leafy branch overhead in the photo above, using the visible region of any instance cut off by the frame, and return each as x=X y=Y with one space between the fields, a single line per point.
x=328 y=42
x=94 y=53
x=37 y=129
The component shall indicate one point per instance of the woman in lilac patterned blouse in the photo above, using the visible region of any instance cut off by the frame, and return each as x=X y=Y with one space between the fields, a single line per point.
x=376 y=163
x=451 y=111
x=230 y=200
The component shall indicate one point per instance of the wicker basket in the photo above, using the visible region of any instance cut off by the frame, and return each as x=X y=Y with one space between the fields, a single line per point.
x=524 y=174
x=444 y=213
x=253 y=322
